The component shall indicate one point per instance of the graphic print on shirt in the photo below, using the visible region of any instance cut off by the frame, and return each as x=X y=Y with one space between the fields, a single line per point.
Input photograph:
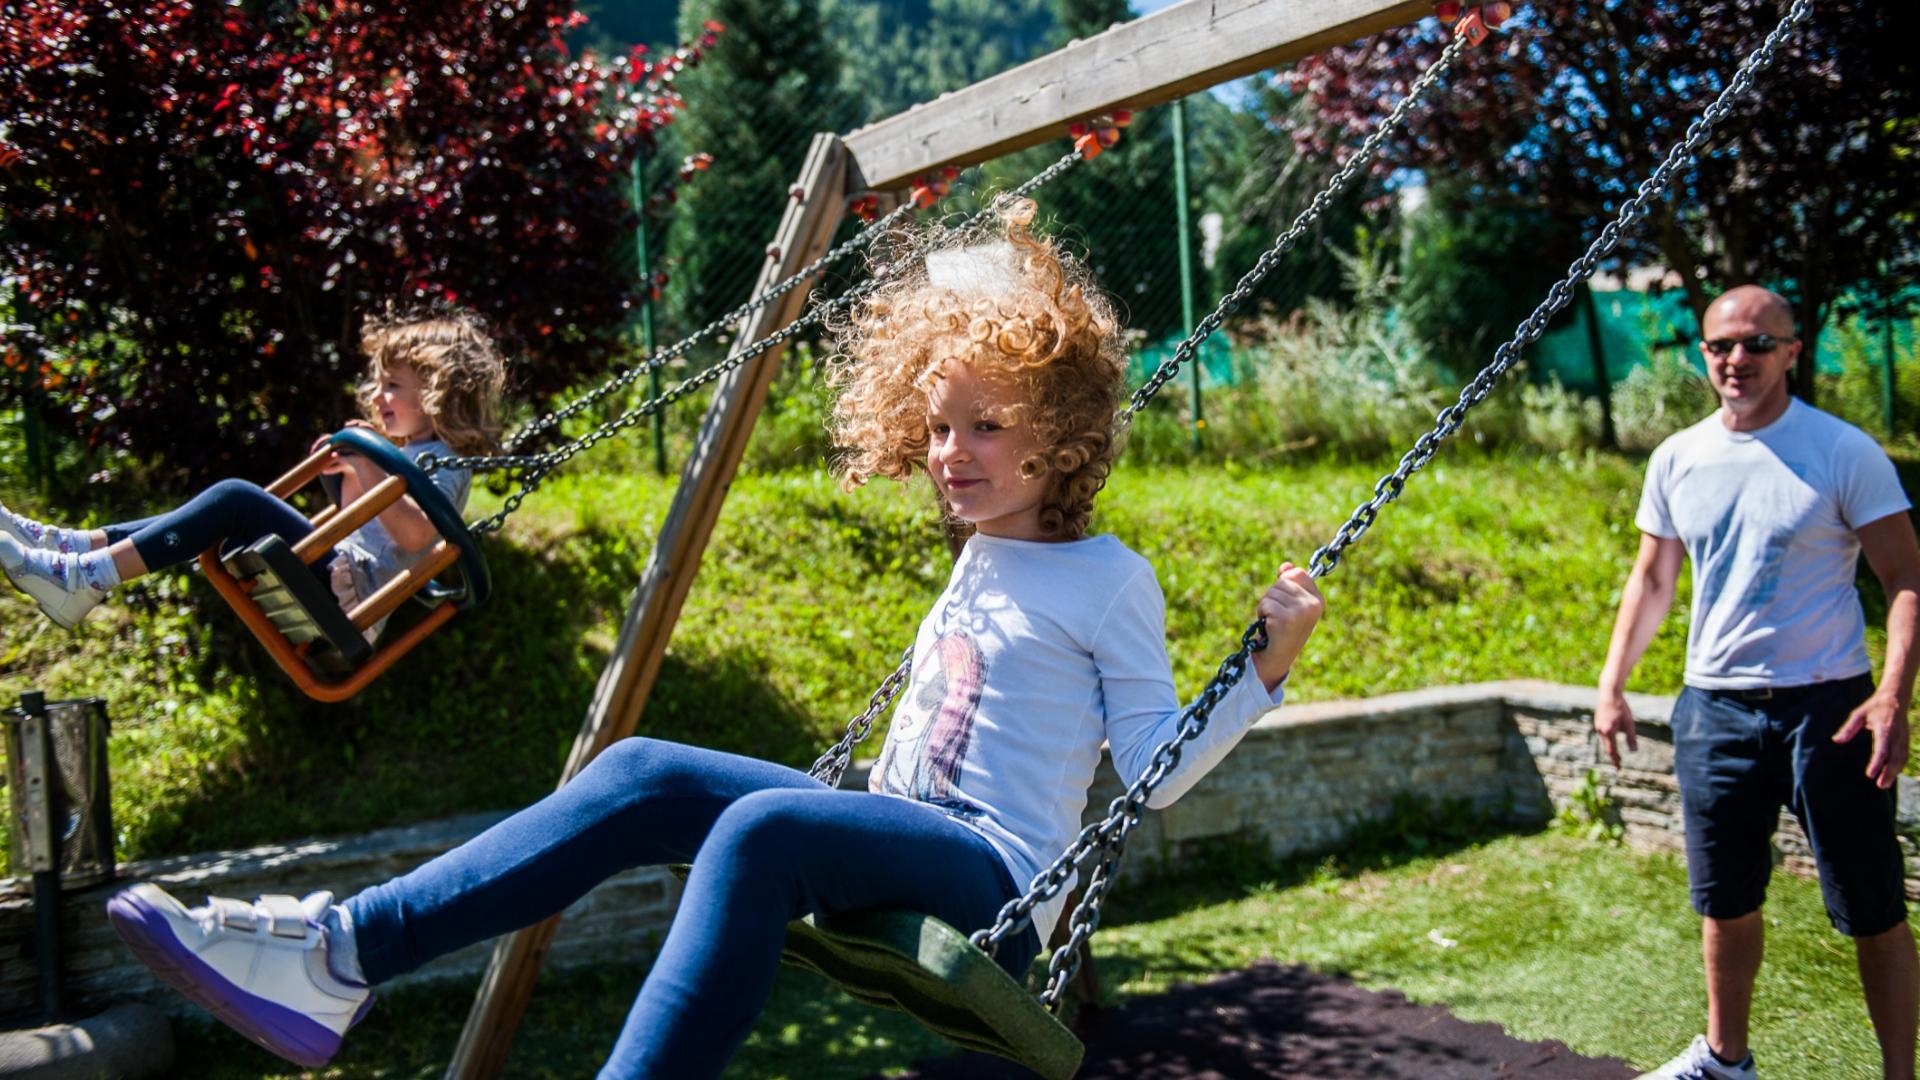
x=1763 y=525
x=934 y=726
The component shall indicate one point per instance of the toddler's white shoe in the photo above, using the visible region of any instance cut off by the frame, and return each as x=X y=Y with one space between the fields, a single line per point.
x=260 y=967
x=1697 y=1062
x=13 y=527
x=63 y=595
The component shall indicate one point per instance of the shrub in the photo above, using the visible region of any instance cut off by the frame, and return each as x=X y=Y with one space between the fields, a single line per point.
x=1659 y=398
x=201 y=200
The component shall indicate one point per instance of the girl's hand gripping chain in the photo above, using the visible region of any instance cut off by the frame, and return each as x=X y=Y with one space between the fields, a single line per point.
x=1291 y=607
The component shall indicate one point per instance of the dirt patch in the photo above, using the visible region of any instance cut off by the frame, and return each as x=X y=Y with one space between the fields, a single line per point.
x=1275 y=1021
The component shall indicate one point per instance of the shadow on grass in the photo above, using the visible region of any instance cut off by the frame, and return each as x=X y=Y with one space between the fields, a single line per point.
x=808 y=1030
x=1415 y=827
x=522 y=668
x=1286 y=1021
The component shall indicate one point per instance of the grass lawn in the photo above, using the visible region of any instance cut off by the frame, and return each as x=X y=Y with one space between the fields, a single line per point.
x=1490 y=567
x=1555 y=937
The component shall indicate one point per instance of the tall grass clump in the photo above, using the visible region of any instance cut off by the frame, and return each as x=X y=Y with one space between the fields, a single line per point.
x=1659 y=398
x=1858 y=392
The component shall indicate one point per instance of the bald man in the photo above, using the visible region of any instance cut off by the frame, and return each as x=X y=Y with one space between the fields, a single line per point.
x=1774 y=501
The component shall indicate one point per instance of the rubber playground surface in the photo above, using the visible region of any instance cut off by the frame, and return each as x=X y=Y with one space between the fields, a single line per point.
x=1286 y=1021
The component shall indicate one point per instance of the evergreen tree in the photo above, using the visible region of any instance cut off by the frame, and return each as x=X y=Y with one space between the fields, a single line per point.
x=768 y=91
x=915 y=50
x=1250 y=172
x=1121 y=205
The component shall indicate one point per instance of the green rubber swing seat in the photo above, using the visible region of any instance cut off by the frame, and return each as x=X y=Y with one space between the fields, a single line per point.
x=921 y=966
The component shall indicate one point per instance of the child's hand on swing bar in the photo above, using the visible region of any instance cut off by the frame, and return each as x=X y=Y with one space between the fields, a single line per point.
x=1291 y=607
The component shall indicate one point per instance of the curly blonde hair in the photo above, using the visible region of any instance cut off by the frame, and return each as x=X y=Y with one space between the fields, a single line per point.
x=462 y=374
x=1041 y=329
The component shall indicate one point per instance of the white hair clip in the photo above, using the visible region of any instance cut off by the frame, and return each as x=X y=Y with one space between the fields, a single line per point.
x=982 y=268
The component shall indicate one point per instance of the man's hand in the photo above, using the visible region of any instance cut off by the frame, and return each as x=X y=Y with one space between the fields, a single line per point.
x=1885 y=715
x=1612 y=718
x=1291 y=606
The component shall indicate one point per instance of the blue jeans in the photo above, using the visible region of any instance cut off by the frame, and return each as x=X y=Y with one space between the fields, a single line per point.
x=234 y=511
x=768 y=844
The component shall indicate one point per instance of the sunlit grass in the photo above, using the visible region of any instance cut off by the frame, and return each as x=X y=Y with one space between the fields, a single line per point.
x=1554 y=938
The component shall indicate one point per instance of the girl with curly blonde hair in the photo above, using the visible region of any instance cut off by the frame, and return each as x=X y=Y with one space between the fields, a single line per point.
x=992 y=365
x=433 y=385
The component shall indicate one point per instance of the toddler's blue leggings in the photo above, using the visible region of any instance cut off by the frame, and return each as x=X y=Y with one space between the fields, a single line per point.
x=236 y=511
x=768 y=844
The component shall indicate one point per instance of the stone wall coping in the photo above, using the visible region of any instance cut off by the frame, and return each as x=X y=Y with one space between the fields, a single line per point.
x=203 y=871
x=1652 y=709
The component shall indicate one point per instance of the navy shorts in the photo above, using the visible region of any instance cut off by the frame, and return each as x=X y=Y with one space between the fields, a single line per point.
x=1740 y=755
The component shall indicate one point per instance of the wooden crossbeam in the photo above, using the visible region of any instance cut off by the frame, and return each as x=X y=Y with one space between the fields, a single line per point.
x=804 y=234
x=1171 y=53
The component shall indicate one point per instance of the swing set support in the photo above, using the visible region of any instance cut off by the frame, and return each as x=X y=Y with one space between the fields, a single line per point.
x=1188 y=46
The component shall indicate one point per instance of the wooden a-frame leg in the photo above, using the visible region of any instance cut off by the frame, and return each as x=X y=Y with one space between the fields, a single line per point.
x=805 y=233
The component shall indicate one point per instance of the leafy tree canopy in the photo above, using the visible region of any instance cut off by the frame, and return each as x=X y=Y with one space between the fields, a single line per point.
x=198 y=202
x=1811 y=185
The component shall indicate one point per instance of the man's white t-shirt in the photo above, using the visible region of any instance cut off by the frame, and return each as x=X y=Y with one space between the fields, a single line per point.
x=1035 y=655
x=1768 y=518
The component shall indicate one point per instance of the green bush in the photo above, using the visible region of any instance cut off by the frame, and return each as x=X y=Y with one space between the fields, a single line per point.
x=1659 y=398
x=1858 y=393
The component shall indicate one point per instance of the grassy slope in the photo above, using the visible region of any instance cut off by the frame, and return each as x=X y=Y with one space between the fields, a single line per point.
x=1490 y=567
x=1556 y=938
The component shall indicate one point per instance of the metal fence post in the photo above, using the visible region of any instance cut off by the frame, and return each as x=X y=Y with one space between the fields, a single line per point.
x=656 y=422
x=1886 y=340
x=1603 y=381
x=1184 y=229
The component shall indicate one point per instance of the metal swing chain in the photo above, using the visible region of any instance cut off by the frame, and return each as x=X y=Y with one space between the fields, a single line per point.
x=833 y=764
x=536 y=467
x=661 y=357
x=829 y=767
x=1322 y=201
x=1109 y=836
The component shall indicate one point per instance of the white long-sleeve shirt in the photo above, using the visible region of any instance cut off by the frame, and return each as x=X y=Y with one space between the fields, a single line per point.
x=1034 y=656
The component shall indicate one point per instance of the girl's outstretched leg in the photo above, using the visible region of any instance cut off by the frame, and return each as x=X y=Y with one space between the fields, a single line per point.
x=293 y=975
x=773 y=857
x=642 y=802
x=232 y=510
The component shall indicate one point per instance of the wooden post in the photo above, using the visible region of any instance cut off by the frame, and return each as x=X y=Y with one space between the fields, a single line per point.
x=804 y=234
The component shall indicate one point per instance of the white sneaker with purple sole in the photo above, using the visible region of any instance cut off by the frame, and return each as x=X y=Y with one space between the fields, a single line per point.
x=260 y=967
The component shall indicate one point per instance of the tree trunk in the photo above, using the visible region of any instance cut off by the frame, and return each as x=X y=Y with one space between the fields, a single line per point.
x=1811 y=313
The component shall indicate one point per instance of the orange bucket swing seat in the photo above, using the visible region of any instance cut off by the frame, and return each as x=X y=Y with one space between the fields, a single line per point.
x=321 y=647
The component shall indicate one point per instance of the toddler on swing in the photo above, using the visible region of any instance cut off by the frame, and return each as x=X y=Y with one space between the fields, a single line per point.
x=433 y=385
x=996 y=370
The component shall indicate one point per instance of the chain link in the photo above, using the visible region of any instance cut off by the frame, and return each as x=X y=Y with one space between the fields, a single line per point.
x=661 y=357
x=1322 y=201
x=832 y=765
x=534 y=468
x=1108 y=837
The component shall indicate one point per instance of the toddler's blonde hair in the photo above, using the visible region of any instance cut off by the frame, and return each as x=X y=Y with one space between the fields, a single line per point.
x=462 y=374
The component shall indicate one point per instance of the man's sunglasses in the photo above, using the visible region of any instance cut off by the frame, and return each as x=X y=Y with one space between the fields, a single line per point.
x=1757 y=345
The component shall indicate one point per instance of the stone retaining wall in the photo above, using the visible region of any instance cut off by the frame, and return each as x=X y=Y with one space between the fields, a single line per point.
x=1299 y=783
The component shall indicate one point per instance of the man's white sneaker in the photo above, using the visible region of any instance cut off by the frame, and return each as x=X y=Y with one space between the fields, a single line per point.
x=1698 y=1063
x=62 y=593
x=260 y=967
